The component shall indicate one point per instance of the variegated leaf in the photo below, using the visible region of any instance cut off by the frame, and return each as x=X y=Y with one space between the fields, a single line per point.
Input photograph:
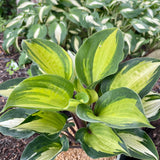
x=95 y=3
x=44 y=92
x=93 y=96
x=50 y=57
x=43 y=148
x=151 y=104
x=130 y=12
x=12 y=118
x=120 y=108
x=96 y=59
x=37 y=31
x=139 y=144
x=76 y=43
x=44 y=122
x=70 y=3
x=7 y=87
x=138 y=74
x=57 y=32
x=54 y=2
x=50 y=19
x=151 y=21
x=75 y=15
x=8 y=42
x=100 y=140
x=25 y=4
x=44 y=10
x=89 y=21
x=16 y=22
x=30 y=21
x=139 y=26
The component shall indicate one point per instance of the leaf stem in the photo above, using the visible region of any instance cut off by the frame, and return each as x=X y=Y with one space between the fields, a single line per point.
x=79 y=123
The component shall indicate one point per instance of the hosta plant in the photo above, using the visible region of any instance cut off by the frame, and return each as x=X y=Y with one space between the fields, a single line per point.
x=69 y=22
x=92 y=100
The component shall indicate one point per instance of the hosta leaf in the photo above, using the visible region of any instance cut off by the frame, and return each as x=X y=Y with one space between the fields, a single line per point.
x=50 y=19
x=44 y=122
x=151 y=104
x=139 y=144
x=26 y=4
x=89 y=21
x=16 y=22
x=44 y=92
x=30 y=21
x=138 y=74
x=11 y=119
x=151 y=21
x=44 y=10
x=37 y=31
x=95 y=3
x=50 y=57
x=99 y=140
x=76 y=43
x=139 y=26
x=70 y=3
x=42 y=148
x=120 y=108
x=7 y=87
x=57 y=32
x=8 y=42
x=75 y=15
x=93 y=96
x=96 y=59
x=130 y=12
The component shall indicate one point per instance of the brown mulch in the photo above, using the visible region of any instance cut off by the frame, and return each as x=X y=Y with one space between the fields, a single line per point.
x=11 y=148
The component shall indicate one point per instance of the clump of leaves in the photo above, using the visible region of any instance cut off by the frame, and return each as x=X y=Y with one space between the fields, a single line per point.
x=68 y=22
x=102 y=95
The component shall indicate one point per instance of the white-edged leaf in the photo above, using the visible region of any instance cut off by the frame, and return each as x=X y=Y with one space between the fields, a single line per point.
x=43 y=11
x=139 y=144
x=16 y=22
x=44 y=148
x=57 y=31
x=151 y=104
x=25 y=4
x=139 y=25
x=11 y=119
x=37 y=31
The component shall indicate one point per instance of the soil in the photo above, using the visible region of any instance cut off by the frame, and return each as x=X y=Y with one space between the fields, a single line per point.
x=11 y=148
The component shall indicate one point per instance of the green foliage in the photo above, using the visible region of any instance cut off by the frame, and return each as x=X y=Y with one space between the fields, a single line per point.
x=101 y=94
x=7 y=9
x=12 y=66
x=68 y=23
x=2 y=24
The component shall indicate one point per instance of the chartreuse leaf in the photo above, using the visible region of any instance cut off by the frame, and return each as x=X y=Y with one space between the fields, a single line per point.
x=139 y=144
x=44 y=92
x=11 y=119
x=50 y=57
x=151 y=104
x=120 y=108
x=99 y=140
x=43 y=148
x=99 y=56
x=93 y=96
x=138 y=74
x=7 y=87
x=44 y=122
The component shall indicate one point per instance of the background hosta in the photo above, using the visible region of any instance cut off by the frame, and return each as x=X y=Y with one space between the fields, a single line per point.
x=68 y=23
x=108 y=100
